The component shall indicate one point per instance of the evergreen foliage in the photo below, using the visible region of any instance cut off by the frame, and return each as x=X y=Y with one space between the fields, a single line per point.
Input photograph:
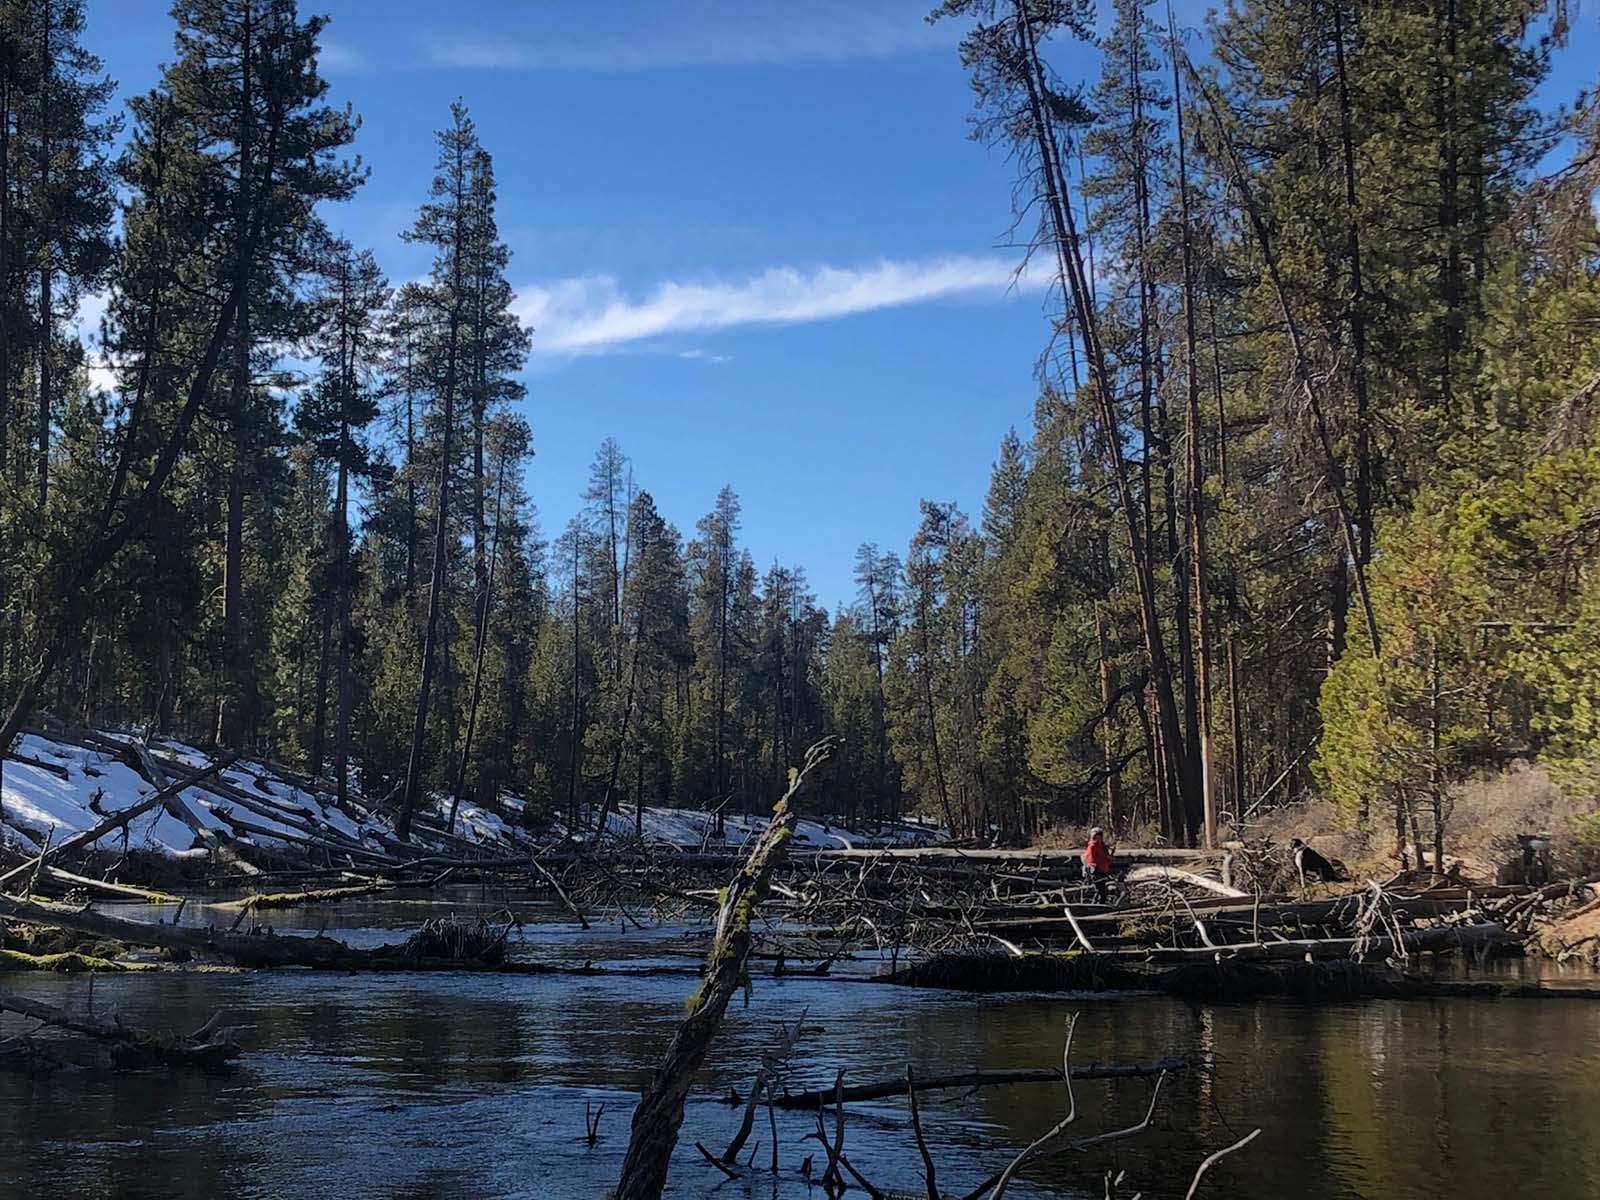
x=1308 y=501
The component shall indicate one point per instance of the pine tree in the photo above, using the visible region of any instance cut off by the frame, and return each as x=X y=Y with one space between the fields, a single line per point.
x=471 y=342
x=199 y=223
x=334 y=418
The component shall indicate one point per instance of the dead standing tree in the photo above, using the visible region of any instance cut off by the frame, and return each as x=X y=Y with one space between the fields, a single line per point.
x=660 y=1113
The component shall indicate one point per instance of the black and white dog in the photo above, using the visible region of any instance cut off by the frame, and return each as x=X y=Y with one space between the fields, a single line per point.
x=1309 y=864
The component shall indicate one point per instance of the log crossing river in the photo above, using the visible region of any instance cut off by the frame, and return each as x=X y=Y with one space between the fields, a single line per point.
x=457 y=1086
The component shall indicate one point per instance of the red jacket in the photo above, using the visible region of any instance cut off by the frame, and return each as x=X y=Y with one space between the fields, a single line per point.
x=1098 y=856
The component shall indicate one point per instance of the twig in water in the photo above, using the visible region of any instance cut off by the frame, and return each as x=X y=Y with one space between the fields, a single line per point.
x=1215 y=1158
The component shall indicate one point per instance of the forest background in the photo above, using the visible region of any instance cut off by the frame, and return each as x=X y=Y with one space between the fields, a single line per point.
x=1308 y=504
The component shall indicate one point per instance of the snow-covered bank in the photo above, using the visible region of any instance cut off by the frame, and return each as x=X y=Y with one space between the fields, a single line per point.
x=58 y=786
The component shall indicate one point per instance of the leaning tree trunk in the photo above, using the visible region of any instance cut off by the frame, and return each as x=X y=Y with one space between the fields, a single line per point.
x=1080 y=295
x=660 y=1113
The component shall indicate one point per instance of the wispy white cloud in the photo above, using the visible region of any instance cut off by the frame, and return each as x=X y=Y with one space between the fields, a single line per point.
x=704 y=356
x=336 y=56
x=709 y=33
x=592 y=314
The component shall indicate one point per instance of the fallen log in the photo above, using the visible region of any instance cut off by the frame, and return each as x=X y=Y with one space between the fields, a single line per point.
x=28 y=760
x=116 y=820
x=208 y=1048
x=883 y=1089
x=1189 y=878
x=204 y=835
x=243 y=949
x=117 y=891
x=66 y=962
x=271 y=900
x=1439 y=939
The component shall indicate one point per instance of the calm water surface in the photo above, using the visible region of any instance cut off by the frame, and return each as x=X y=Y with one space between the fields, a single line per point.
x=458 y=1086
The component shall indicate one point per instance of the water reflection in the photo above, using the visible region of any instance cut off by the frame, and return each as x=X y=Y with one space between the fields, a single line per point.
x=456 y=1086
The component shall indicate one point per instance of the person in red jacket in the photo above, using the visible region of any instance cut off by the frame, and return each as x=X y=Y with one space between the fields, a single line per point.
x=1097 y=863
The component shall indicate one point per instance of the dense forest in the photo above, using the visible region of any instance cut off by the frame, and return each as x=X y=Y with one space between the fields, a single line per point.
x=1311 y=497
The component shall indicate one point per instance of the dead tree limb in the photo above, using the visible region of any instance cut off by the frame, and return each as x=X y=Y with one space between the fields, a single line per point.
x=660 y=1113
x=972 y=1079
x=1205 y=1166
x=119 y=820
x=208 y=1048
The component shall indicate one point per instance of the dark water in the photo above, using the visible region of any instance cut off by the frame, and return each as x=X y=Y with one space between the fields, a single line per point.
x=458 y=1086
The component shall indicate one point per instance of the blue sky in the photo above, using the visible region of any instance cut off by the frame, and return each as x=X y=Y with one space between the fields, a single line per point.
x=752 y=237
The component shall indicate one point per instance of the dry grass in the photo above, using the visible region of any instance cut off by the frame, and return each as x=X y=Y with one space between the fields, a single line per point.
x=1483 y=817
x=1488 y=812
x=1321 y=825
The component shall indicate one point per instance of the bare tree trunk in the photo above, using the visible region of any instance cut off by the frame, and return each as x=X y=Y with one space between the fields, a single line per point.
x=576 y=733
x=1197 y=479
x=441 y=531
x=1435 y=766
x=47 y=315
x=411 y=484
x=926 y=671
x=724 y=549
x=1449 y=214
x=229 y=701
x=1108 y=733
x=319 y=710
x=622 y=739
x=6 y=269
x=1070 y=266
x=654 y=1131
x=480 y=641
x=8 y=643
x=1236 y=719
x=1358 y=303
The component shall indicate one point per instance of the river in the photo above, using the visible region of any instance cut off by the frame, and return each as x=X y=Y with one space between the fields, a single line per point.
x=457 y=1086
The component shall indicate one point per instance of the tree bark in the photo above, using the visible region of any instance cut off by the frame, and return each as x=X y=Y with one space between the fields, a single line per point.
x=654 y=1131
x=1196 y=472
x=47 y=316
x=480 y=641
x=230 y=701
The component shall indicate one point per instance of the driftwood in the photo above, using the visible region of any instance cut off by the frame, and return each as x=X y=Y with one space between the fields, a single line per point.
x=1190 y=878
x=241 y=949
x=276 y=900
x=660 y=1113
x=208 y=1048
x=117 y=891
x=973 y=1079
